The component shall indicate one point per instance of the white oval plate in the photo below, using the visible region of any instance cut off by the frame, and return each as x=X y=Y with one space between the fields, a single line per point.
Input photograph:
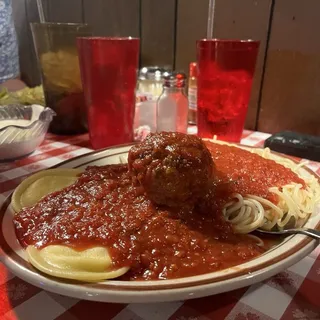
x=280 y=257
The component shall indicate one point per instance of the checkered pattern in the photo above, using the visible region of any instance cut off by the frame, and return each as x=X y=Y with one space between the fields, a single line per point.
x=292 y=294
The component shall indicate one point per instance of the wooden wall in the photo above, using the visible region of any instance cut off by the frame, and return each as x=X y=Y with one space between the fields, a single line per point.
x=290 y=96
x=25 y=11
x=287 y=73
x=158 y=32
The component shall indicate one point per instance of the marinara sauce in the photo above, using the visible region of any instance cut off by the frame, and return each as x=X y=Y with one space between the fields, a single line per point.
x=104 y=208
x=240 y=171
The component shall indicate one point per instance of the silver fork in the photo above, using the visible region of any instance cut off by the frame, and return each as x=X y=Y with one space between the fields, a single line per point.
x=315 y=234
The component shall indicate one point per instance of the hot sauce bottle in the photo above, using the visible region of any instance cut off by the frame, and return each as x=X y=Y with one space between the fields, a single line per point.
x=192 y=93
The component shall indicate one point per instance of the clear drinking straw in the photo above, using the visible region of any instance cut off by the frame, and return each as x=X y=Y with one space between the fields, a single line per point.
x=40 y=10
x=211 y=11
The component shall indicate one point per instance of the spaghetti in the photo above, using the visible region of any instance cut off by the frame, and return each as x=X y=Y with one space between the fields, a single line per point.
x=286 y=205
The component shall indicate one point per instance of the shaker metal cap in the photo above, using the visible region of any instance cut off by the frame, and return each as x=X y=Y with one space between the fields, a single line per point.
x=153 y=73
x=175 y=80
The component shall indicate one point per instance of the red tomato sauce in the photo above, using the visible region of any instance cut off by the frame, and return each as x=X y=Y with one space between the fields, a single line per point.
x=240 y=171
x=105 y=208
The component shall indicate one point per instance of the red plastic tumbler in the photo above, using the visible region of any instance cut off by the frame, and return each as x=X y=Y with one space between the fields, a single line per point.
x=109 y=76
x=225 y=72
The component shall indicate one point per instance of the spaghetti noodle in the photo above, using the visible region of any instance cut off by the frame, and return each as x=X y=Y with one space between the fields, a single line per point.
x=289 y=205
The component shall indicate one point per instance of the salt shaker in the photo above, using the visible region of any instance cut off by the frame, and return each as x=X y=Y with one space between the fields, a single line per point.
x=172 y=105
x=149 y=90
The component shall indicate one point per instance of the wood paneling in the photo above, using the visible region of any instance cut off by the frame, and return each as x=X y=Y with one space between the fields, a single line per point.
x=24 y=12
x=191 y=26
x=158 y=32
x=291 y=95
x=63 y=11
x=113 y=17
x=245 y=19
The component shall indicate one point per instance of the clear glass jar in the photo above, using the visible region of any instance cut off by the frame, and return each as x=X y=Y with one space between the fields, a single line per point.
x=172 y=105
x=149 y=90
x=151 y=80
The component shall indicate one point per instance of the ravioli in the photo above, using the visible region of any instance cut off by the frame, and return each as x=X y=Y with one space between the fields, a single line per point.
x=93 y=264
x=40 y=184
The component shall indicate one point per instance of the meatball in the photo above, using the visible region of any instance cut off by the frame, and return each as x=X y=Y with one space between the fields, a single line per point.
x=173 y=168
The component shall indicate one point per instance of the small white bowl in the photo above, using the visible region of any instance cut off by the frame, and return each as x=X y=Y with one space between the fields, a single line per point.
x=22 y=129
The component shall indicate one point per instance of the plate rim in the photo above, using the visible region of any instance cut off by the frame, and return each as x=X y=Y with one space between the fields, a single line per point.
x=302 y=248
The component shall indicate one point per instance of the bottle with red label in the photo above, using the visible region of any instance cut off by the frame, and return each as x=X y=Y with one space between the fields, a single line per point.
x=192 y=93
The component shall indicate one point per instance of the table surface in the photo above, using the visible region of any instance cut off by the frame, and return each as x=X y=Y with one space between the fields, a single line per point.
x=292 y=294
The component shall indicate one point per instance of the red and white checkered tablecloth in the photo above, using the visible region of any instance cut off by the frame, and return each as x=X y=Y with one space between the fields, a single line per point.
x=292 y=294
